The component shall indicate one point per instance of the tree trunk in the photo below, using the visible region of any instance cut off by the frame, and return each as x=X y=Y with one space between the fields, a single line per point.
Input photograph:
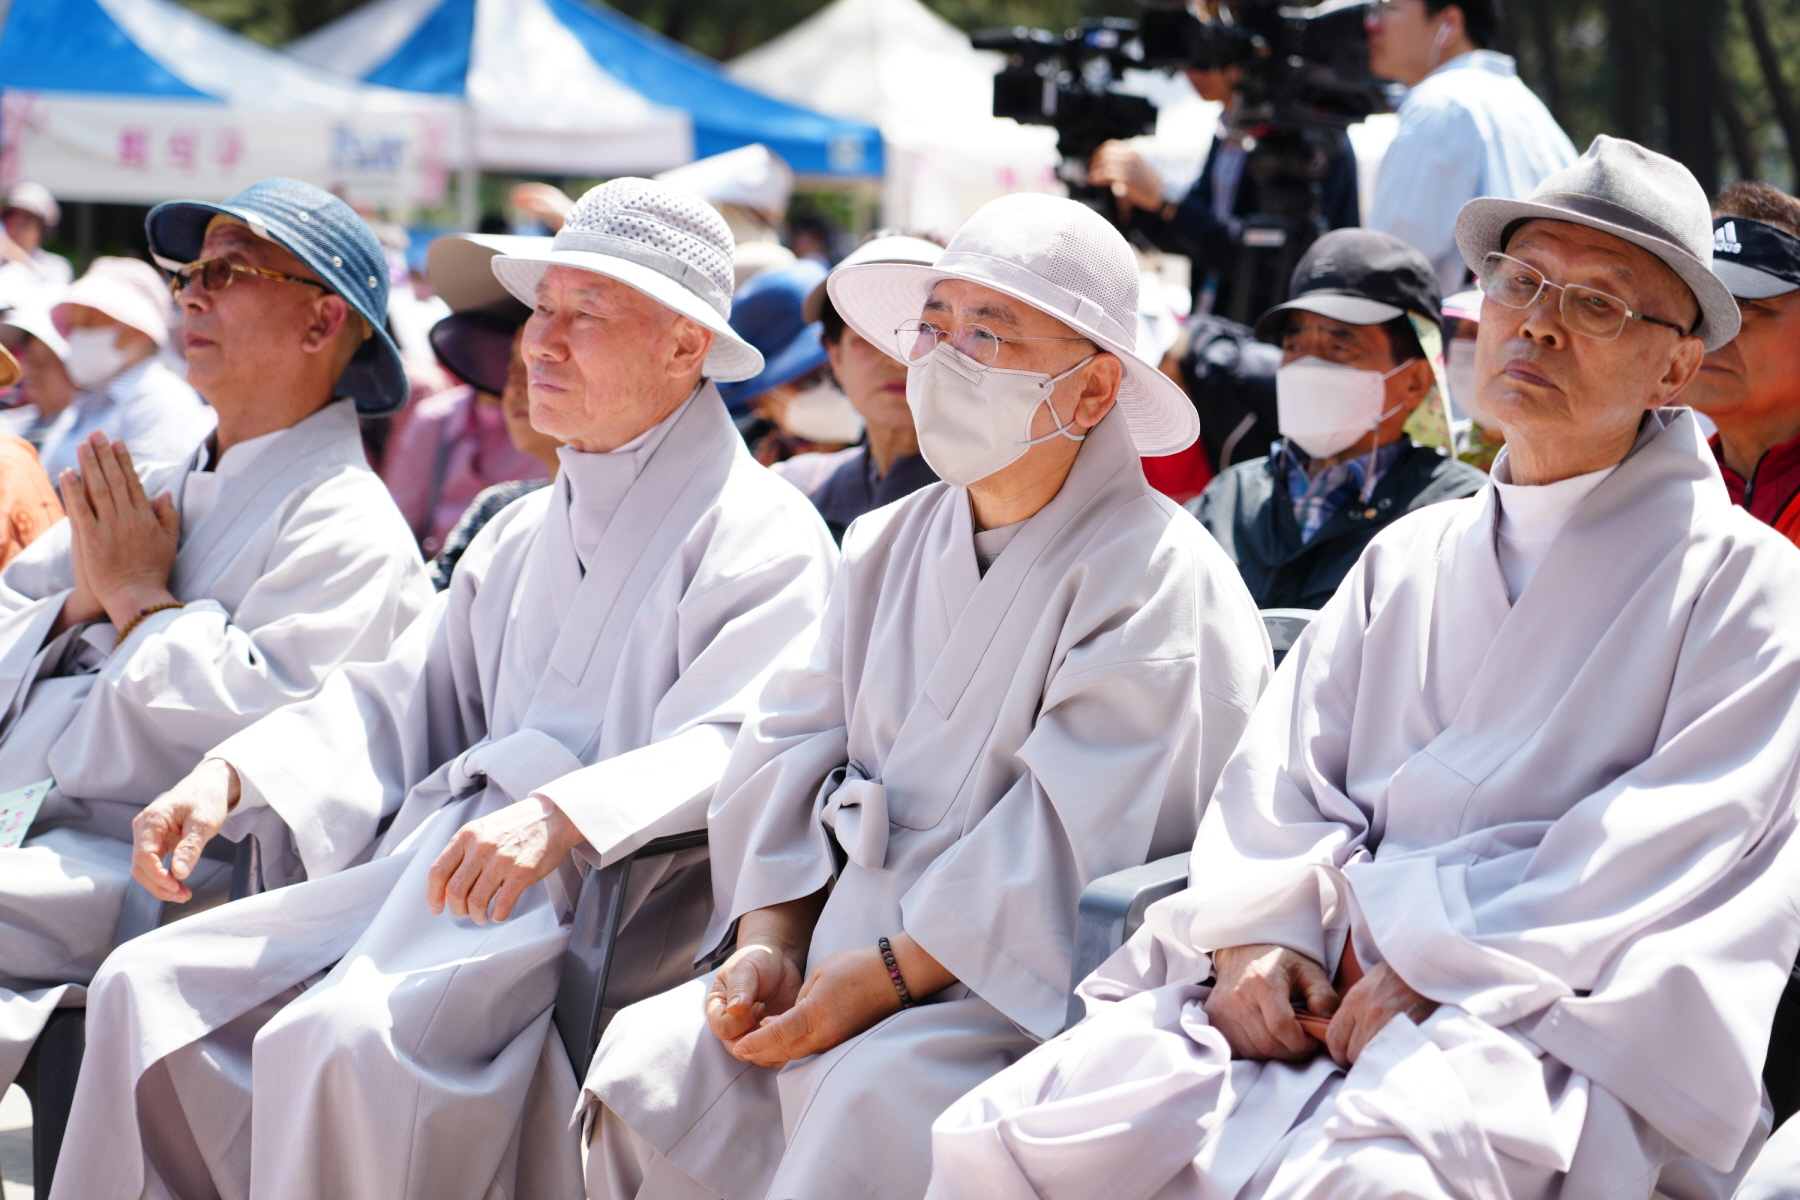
x=1688 y=93
x=1770 y=62
x=1628 y=49
x=1543 y=37
x=1737 y=132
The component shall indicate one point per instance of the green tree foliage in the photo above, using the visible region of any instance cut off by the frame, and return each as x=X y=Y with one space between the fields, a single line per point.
x=1714 y=82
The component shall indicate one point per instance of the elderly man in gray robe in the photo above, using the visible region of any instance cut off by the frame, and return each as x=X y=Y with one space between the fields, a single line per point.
x=1029 y=675
x=384 y=1031
x=178 y=604
x=1497 y=898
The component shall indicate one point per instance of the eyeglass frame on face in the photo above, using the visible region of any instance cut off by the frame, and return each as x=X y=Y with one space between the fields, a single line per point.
x=1562 y=305
x=195 y=272
x=917 y=328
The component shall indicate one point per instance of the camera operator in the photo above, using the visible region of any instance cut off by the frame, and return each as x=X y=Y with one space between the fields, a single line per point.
x=1204 y=224
x=1469 y=127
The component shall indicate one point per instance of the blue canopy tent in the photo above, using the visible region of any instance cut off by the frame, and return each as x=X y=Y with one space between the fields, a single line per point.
x=569 y=87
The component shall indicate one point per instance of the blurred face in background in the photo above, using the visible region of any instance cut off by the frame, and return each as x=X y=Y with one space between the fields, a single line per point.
x=1757 y=373
x=1407 y=43
x=875 y=382
x=25 y=228
x=44 y=382
x=515 y=407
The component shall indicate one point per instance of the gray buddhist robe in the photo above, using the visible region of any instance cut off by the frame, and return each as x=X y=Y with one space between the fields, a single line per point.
x=293 y=561
x=981 y=748
x=600 y=643
x=1567 y=820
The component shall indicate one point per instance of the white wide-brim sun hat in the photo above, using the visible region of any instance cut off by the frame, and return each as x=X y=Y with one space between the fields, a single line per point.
x=1061 y=258
x=670 y=245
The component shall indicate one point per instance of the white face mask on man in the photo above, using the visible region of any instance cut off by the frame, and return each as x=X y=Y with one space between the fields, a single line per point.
x=94 y=356
x=974 y=422
x=1325 y=407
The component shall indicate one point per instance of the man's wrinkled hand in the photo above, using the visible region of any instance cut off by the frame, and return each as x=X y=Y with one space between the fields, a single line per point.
x=1378 y=997
x=492 y=860
x=760 y=979
x=179 y=823
x=1253 y=999
x=842 y=996
x=126 y=541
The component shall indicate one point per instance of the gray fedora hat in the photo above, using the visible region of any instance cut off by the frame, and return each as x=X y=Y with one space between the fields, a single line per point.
x=1638 y=195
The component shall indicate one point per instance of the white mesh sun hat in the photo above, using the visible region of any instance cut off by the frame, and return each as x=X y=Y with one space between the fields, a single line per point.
x=670 y=245
x=1058 y=256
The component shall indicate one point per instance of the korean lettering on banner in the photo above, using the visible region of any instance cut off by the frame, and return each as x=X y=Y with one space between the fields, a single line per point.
x=100 y=148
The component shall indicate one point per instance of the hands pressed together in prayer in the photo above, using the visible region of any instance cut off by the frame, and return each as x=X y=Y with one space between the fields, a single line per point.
x=123 y=542
x=1259 y=989
x=763 y=1012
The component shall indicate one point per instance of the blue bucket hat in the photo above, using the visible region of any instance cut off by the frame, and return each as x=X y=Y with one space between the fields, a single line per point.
x=335 y=244
x=767 y=312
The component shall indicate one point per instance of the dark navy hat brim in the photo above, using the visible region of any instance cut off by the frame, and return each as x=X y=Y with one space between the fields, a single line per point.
x=335 y=244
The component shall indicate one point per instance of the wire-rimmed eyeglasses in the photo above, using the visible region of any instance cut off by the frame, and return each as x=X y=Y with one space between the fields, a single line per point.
x=917 y=339
x=1585 y=310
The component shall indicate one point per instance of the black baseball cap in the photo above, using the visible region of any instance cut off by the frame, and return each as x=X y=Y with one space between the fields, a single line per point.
x=1753 y=260
x=1359 y=277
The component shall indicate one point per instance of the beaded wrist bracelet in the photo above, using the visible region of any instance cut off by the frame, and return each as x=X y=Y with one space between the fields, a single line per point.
x=887 y=956
x=139 y=619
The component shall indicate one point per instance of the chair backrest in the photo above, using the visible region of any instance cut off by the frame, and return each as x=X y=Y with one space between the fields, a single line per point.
x=614 y=958
x=1285 y=625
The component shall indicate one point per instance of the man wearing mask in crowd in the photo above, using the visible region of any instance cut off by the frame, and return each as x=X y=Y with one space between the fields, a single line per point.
x=1206 y=222
x=888 y=464
x=1352 y=371
x=1029 y=675
x=1468 y=127
x=1512 y=832
x=30 y=274
x=1751 y=386
x=115 y=322
x=178 y=604
x=575 y=692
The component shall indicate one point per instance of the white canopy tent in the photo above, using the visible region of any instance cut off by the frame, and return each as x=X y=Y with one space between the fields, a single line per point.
x=900 y=66
x=135 y=101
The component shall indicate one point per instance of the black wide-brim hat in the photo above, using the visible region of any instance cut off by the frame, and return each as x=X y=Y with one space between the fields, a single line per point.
x=335 y=244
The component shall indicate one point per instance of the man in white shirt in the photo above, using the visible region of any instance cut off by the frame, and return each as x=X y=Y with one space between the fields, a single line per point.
x=1468 y=127
x=181 y=602
x=114 y=322
x=1496 y=897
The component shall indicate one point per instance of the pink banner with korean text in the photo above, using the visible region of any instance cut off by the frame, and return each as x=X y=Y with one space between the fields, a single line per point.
x=143 y=151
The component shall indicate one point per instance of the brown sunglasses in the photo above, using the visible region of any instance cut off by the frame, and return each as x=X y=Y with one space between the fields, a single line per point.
x=217 y=274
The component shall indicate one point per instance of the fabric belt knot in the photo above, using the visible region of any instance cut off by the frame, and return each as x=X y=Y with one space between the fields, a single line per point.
x=857 y=811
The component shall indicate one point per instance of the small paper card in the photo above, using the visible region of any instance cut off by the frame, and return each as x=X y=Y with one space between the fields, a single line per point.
x=18 y=809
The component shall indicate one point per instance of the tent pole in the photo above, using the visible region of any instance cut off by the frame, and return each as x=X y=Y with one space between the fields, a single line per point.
x=468 y=178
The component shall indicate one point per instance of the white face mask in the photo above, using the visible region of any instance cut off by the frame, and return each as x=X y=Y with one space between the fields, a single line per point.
x=822 y=414
x=974 y=422
x=1459 y=371
x=1325 y=407
x=94 y=356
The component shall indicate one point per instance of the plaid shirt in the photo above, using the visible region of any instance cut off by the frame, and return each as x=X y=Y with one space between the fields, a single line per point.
x=1317 y=499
